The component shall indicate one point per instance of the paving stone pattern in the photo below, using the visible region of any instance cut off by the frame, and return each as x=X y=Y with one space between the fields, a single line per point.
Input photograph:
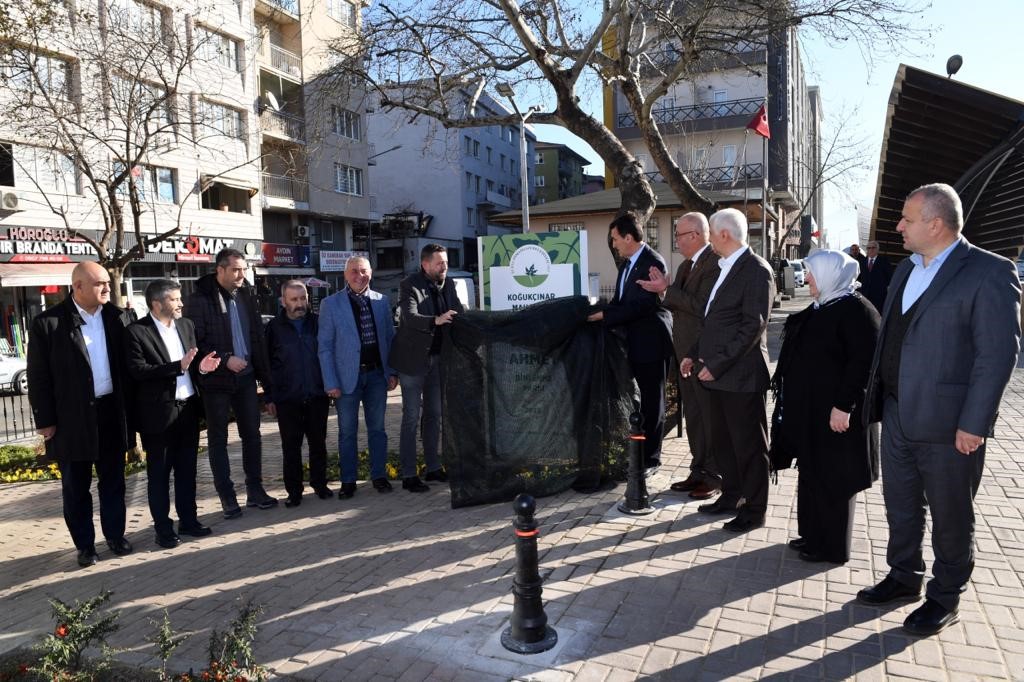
x=402 y=587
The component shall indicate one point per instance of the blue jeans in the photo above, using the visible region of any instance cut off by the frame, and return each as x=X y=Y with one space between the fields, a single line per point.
x=372 y=391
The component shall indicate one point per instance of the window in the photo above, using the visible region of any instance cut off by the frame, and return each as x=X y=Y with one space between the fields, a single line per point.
x=346 y=123
x=651 y=233
x=469 y=181
x=342 y=11
x=157 y=185
x=469 y=145
x=490 y=185
x=221 y=196
x=502 y=162
x=476 y=149
x=477 y=184
x=539 y=159
x=490 y=156
x=141 y=102
x=218 y=48
x=6 y=164
x=136 y=18
x=33 y=72
x=566 y=227
x=512 y=167
x=44 y=169
x=510 y=134
x=225 y=120
x=469 y=216
x=326 y=232
x=348 y=180
x=538 y=181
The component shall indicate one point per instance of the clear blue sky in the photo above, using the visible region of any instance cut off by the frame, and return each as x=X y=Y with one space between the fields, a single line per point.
x=987 y=33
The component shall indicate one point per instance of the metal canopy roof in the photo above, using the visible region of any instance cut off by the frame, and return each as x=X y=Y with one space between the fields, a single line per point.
x=941 y=130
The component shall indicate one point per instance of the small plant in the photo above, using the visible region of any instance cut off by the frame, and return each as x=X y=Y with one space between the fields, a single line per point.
x=78 y=628
x=230 y=652
x=166 y=642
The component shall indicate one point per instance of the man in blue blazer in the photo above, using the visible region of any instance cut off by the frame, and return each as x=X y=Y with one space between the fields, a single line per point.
x=354 y=341
x=947 y=347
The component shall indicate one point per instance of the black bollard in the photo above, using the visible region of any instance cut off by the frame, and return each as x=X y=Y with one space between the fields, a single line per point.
x=528 y=632
x=636 y=502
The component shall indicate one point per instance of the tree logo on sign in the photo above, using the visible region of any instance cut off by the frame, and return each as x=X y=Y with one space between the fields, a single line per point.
x=530 y=265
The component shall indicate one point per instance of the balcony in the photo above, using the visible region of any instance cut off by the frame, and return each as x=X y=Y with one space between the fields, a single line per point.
x=282 y=60
x=272 y=6
x=285 y=187
x=717 y=176
x=283 y=125
x=697 y=112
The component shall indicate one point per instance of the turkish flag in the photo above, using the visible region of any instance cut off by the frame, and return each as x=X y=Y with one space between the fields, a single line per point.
x=759 y=124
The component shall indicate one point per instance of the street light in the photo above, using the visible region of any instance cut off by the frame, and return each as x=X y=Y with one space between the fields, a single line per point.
x=506 y=91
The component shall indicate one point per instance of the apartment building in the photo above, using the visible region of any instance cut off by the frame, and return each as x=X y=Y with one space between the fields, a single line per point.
x=453 y=181
x=558 y=172
x=156 y=93
x=314 y=149
x=703 y=122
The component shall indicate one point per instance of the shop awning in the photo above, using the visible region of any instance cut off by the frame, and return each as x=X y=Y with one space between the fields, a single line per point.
x=285 y=272
x=35 y=274
x=206 y=181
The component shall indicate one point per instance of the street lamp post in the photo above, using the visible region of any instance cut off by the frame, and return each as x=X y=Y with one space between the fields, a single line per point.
x=506 y=91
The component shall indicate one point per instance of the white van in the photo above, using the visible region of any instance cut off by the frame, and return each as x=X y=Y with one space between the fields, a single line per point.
x=464 y=287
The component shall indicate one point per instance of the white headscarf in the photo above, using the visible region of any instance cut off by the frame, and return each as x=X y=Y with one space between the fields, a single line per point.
x=835 y=274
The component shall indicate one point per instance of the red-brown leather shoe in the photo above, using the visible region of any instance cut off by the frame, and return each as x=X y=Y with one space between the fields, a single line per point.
x=704 y=492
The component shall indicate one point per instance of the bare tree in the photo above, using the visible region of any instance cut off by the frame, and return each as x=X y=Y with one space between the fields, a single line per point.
x=94 y=100
x=435 y=58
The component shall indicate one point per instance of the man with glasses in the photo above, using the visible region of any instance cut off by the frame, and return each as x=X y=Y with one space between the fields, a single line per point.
x=686 y=299
x=875 y=274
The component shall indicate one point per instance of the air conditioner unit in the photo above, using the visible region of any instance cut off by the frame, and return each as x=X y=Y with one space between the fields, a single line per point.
x=302 y=231
x=9 y=201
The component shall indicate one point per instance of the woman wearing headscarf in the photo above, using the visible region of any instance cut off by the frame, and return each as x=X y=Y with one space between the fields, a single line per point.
x=819 y=384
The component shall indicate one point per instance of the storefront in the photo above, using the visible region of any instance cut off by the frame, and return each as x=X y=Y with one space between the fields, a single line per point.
x=283 y=262
x=36 y=265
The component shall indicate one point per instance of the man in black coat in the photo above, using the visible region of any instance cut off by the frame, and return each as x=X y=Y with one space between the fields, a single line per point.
x=427 y=301
x=299 y=400
x=647 y=326
x=161 y=350
x=875 y=275
x=731 y=361
x=227 y=322
x=78 y=397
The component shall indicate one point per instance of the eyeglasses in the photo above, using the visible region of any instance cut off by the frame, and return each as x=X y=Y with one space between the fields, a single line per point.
x=683 y=234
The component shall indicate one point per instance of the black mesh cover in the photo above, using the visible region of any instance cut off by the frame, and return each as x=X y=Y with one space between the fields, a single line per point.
x=535 y=400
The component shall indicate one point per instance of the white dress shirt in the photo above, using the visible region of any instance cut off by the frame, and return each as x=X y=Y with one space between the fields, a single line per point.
x=175 y=351
x=921 y=276
x=96 y=345
x=726 y=265
x=629 y=269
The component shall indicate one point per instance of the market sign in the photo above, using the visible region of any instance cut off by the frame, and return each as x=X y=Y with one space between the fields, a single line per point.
x=518 y=270
x=280 y=255
x=191 y=249
x=43 y=245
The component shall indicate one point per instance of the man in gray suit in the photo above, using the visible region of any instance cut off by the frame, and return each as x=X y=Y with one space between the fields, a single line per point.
x=948 y=344
x=686 y=299
x=427 y=301
x=731 y=361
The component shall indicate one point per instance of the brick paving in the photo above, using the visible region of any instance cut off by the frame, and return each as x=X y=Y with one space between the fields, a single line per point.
x=402 y=587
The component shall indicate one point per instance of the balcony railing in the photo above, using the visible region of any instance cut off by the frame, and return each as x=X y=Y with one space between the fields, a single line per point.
x=668 y=57
x=285 y=187
x=286 y=61
x=717 y=175
x=275 y=122
x=291 y=6
x=697 y=112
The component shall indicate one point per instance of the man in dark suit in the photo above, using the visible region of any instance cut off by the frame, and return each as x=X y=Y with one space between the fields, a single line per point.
x=223 y=310
x=947 y=347
x=875 y=275
x=647 y=326
x=299 y=401
x=161 y=350
x=78 y=397
x=686 y=299
x=427 y=301
x=731 y=361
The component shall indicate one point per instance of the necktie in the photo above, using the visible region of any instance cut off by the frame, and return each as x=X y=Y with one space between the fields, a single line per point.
x=871 y=264
x=687 y=268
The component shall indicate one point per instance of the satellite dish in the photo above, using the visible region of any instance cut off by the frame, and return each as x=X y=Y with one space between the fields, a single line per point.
x=272 y=101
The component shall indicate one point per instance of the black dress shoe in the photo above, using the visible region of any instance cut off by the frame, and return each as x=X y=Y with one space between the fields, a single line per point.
x=382 y=485
x=439 y=475
x=743 y=524
x=348 y=490
x=88 y=557
x=719 y=506
x=324 y=493
x=168 y=541
x=196 y=530
x=930 y=618
x=414 y=485
x=261 y=499
x=120 y=547
x=686 y=486
x=797 y=543
x=293 y=501
x=813 y=557
x=888 y=591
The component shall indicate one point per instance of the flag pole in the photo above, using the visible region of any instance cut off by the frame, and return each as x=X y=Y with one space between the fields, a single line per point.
x=746 y=175
x=764 y=200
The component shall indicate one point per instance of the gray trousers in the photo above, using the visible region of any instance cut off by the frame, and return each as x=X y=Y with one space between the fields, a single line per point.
x=421 y=392
x=696 y=406
x=918 y=474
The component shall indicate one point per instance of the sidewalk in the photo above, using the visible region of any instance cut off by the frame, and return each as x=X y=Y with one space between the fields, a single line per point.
x=402 y=587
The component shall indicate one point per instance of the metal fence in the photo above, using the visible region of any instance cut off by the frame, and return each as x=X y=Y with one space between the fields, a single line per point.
x=16 y=421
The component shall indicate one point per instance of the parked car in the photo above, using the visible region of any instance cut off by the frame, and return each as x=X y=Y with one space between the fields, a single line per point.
x=14 y=374
x=799 y=277
x=1020 y=270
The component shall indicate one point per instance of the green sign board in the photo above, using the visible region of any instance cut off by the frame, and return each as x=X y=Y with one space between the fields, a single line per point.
x=517 y=270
